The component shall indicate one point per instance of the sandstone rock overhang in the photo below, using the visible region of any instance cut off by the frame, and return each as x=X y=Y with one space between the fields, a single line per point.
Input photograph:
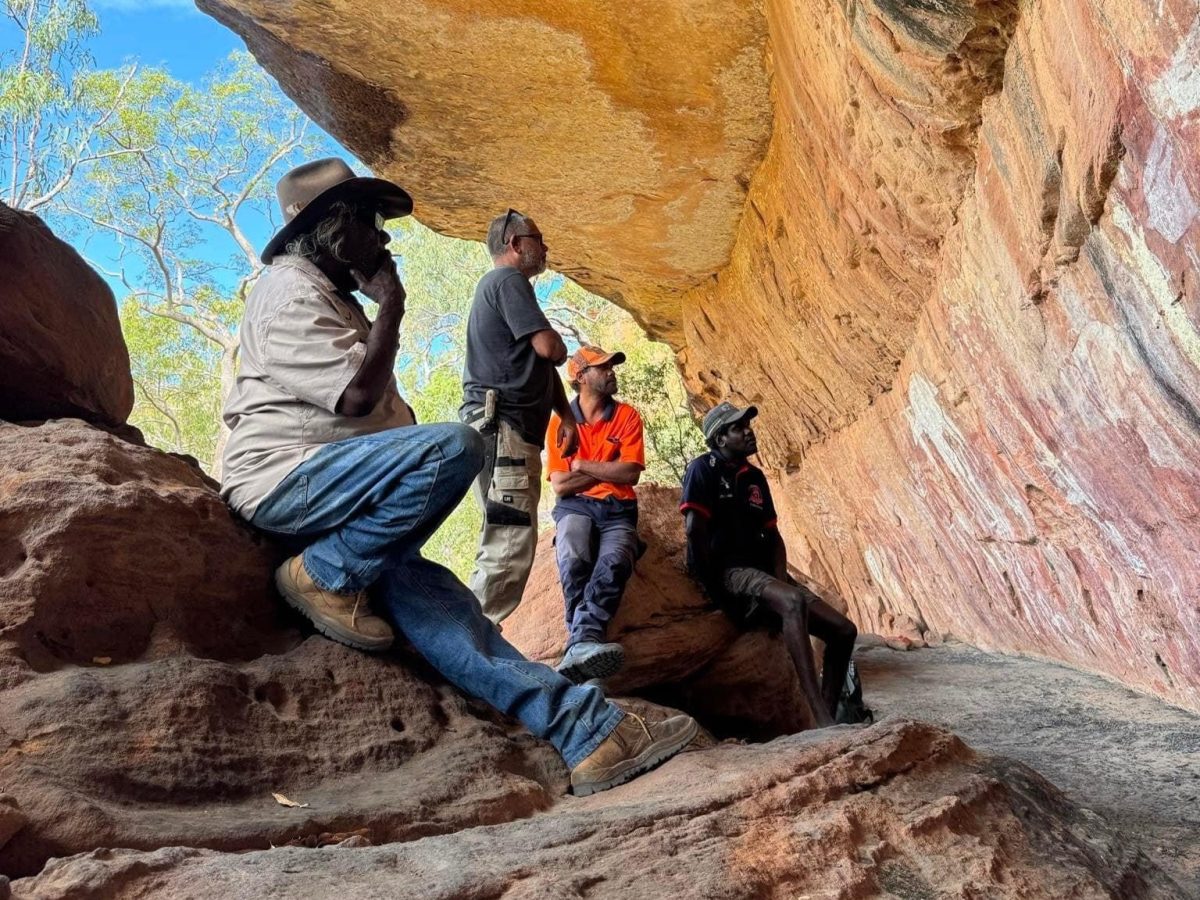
x=629 y=131
x=963 y=284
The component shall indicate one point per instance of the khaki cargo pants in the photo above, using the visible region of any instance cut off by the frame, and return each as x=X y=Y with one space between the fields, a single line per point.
x=507 y=492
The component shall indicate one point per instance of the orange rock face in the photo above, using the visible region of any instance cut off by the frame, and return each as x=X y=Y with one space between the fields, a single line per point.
x=963 y=284
x=628 y=131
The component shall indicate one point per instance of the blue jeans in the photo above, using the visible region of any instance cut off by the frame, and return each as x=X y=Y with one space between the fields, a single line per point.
x=365 y=506
x=596 y=543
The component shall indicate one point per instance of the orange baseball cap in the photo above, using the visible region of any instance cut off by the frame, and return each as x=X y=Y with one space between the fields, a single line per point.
x=587 y=356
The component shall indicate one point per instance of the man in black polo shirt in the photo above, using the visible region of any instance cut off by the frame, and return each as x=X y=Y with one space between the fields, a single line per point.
x=510 y=387
x=735 y=550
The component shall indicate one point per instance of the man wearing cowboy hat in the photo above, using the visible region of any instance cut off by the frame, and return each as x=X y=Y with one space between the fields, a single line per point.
x=595 y=516
x=510 y=387
x=324 y=454
x=735 y=550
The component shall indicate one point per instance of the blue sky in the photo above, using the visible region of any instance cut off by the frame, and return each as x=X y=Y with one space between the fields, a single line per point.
x=170 y=33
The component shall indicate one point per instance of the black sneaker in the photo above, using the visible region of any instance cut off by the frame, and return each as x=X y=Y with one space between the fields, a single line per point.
x=850 y=709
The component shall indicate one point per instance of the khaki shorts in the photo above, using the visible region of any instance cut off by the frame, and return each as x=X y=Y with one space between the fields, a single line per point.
x=745 y=583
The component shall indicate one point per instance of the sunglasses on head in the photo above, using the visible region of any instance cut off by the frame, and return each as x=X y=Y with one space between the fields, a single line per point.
x=536 y=235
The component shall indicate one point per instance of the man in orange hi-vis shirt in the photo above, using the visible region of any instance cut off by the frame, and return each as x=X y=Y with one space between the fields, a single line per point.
x=595 y=516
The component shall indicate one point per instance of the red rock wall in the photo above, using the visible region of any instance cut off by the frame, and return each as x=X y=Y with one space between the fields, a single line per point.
x=971 y=306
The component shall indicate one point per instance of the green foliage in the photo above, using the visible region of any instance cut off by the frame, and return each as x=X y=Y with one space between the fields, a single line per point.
x=178 y=399
x=650 y=382
x=437 y=400
x=181 y=210
x=54 y=109
x=648 y=379
x=440 y=275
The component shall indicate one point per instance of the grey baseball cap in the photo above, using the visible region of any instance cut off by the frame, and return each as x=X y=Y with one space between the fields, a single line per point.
x=723 y=415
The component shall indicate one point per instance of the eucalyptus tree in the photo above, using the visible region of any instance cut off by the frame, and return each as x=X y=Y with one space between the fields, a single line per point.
x=56 y=110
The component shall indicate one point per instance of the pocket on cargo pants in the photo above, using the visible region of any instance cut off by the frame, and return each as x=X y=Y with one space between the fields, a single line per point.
x=513 y=493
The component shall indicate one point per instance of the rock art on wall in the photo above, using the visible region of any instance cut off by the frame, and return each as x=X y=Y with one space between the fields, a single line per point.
x=61 y=349
x=963 y=284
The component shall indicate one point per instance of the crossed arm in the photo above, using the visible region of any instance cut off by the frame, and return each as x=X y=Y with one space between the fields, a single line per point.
x=586 y=474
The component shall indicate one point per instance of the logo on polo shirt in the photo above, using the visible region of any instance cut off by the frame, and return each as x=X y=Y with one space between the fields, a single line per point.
x=755 y=496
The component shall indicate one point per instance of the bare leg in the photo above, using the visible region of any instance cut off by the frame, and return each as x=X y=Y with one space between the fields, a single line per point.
x=792 y=607
x=838 y=634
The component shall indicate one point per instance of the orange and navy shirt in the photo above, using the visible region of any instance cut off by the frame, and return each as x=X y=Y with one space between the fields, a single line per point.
x=615 y=437
x=736 y=500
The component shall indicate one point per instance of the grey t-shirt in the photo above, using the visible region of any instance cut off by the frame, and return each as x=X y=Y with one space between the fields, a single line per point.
x=500 y=354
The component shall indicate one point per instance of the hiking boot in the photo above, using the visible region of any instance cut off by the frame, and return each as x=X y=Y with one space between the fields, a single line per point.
x=633 y=747
x=590 y=659
x=346 y=618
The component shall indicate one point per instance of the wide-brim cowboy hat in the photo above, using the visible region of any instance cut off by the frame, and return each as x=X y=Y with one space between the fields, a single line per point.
x=306 y=193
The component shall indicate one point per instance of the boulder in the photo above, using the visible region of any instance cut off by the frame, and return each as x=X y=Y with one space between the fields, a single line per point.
x=185 y=750
x=152 y=691
x=900 y=809
x=154 y=700
x=111 y=552
x=61 y=349
x=679 y=649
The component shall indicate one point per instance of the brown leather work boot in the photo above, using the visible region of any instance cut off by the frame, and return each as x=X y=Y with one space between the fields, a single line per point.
x=632 y=748
x=346 y=618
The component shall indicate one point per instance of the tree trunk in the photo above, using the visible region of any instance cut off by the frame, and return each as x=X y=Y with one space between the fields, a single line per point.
x=229 y=361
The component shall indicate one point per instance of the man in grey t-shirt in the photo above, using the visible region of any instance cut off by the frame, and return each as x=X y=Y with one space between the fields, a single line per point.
x=510 y=386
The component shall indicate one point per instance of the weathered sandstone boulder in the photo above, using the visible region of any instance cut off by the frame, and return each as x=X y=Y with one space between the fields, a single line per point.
x=112 y=552
x=151 y=699
x=151 y=692
x=184 y=750
x=896 y=810
x=61 y=349
x=679 y=649
x=963 y=286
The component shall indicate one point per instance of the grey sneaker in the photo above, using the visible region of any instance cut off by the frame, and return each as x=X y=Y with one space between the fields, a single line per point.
x=632 y=748
x=590 y=659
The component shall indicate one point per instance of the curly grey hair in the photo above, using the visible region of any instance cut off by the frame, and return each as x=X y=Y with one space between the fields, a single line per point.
x=327 y=236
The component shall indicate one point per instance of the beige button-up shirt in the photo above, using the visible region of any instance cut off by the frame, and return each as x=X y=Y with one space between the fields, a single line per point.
x=302 y=343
